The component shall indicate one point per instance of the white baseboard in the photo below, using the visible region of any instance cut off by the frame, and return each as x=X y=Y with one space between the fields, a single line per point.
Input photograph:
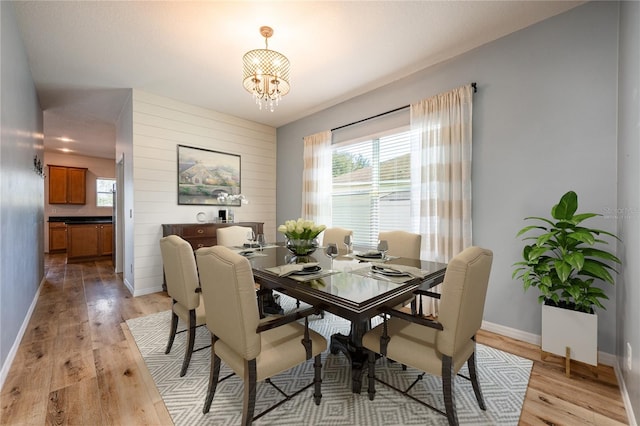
x=535 y=339
x=129 y=286
x=16 y=343
x=144 y=291
x=625 y=394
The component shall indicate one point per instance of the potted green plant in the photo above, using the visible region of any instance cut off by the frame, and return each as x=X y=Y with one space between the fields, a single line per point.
x=563 y=261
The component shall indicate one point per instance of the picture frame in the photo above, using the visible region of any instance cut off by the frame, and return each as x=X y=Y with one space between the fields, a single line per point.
x=205 y=175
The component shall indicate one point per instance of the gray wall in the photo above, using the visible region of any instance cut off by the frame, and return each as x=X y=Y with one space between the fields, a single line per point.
x=545 y=122
x=21 y=189
x=628 y=213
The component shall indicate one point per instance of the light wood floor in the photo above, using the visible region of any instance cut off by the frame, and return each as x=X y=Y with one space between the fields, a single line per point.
x=77 y=363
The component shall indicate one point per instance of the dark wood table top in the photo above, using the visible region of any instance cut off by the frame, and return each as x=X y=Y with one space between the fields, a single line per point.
x=352 y=295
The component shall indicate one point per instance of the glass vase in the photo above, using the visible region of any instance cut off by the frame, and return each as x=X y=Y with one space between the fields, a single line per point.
x=301 y=247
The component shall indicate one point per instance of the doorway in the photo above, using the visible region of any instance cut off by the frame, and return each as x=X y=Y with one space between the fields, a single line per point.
x=118 y=216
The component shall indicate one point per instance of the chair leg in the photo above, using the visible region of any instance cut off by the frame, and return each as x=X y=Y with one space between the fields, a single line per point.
x=473 y=375
x=371 y=375
x=249 y=401
x=448 y=378
x=191 y=340
x=260 y=306
x=214 y=373
x=317 y=379
x=172 y=331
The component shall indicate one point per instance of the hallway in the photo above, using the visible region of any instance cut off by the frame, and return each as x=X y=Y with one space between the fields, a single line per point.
x=77 y=364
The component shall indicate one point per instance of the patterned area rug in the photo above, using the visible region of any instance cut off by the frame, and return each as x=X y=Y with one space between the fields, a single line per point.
x=503 y=380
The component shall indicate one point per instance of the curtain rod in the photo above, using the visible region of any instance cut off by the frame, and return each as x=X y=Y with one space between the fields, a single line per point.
x=475 y=89
x=370 y=118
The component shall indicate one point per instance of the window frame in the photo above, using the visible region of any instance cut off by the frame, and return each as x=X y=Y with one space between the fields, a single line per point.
x=98 y=192
x=375 y=195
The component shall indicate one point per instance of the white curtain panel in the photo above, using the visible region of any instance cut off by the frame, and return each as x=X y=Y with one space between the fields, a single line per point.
x=316 y=178
x=441 y=175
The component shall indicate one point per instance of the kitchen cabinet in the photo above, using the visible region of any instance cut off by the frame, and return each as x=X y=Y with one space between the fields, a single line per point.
x=57 y=237
x=106 y=239
x=89 y=241
x=67 y=185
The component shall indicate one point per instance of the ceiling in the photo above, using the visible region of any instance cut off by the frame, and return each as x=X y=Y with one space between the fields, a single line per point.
x=85 y=55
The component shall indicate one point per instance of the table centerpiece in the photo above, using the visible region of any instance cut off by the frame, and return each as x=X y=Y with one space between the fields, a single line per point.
x=301 y=236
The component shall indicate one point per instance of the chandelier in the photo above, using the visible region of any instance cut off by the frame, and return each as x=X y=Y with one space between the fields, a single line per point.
x=266 y=73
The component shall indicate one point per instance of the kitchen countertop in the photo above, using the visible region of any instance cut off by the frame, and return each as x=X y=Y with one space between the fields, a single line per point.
x=75 y=220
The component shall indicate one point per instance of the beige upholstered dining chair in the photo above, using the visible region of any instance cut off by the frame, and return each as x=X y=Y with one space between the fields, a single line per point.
x=254 y=349
x=183 y=287
x=232 y=236
x=439 y=347
x=336 y=235
x=402 y=243
x=236 y=236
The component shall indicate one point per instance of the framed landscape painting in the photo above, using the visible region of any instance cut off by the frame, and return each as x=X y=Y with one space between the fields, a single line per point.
x=203 y=175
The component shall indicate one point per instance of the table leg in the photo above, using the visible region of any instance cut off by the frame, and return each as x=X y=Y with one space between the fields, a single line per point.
x=351 y=347
x=269 y=304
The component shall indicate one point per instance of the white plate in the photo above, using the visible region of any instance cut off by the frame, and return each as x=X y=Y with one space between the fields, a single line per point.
x=388 y=272
x=308 y=271
x=369 y=255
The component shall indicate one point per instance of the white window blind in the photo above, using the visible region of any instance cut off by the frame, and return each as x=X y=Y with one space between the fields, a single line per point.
x=371 y=187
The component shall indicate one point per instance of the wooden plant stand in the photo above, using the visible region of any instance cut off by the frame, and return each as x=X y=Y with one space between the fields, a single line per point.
x=567 y=362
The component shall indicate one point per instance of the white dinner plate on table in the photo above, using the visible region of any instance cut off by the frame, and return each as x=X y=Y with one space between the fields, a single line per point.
x=388 y=272
x=308 y=271
x=376 y=255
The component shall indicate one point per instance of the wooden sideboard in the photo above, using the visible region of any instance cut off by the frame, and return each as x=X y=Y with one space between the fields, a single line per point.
x=201 y=234
x=204 y=234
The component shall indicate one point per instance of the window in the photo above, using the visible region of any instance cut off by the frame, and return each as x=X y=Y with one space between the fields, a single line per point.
x=105 y=188
x=372 y=185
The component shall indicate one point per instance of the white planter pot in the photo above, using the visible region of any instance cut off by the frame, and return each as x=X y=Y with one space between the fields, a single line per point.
x=562 y=328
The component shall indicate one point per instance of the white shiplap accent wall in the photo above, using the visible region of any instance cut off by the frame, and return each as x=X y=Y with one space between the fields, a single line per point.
x=159 y=125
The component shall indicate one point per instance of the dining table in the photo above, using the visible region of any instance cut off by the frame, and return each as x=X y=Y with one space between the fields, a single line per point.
x=353 y=287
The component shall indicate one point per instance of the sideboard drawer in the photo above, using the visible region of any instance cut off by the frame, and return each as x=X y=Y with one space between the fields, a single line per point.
x=197 y=243
x=198 y=231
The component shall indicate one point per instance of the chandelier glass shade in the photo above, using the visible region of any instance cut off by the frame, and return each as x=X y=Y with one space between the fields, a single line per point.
x=266 y=73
